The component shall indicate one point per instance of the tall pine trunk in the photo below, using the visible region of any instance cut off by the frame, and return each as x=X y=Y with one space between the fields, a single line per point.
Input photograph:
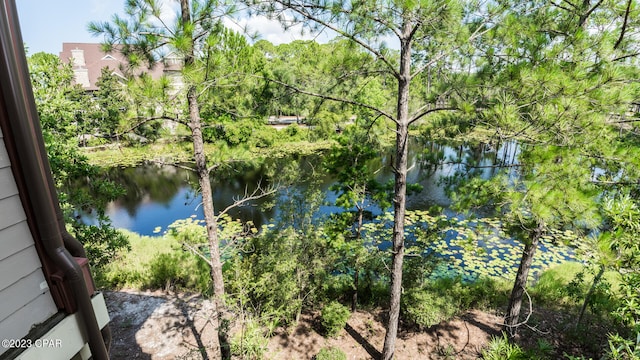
x=195 y=124
x=356 y=273
x=520 y=285
x=400 y=193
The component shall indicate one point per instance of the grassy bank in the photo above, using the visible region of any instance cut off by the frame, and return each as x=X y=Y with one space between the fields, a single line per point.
x=155 y=263
x=182 y=152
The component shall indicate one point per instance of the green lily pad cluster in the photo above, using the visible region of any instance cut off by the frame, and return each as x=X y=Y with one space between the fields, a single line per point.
x=473 y=248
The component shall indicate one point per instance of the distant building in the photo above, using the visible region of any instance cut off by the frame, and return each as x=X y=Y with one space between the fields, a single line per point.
x=88 y=60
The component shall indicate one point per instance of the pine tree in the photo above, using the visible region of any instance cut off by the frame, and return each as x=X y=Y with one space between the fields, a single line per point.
x=428 y=34
x=143 y=38
x=556 y=76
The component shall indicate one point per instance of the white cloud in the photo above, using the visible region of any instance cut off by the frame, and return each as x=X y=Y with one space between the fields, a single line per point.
x=169 y=12
x=272 y=30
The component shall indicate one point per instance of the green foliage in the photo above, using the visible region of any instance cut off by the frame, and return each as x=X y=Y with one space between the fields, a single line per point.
x=265 y=137
x=251 y=342
x=334 y=318
x=441 y=299
x=179 y=270
x=324 y=124
x=556 y=285
x=330 y=353
x=110 y=105
x=425 y=309
x=502 y=349
x=352 y=163
x=62 y=109
x=623 y=349
x=59 y=102
x=101 y=242
x=188 y=230
x=155 y=263
x=147 y=132
x=277 y=286
x=232 y=133
x=318 y=68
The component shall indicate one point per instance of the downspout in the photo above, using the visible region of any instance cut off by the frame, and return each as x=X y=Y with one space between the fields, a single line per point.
x=23 y=132
x=76 y=249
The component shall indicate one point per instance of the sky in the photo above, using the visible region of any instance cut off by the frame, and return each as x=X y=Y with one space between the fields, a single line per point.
x=47 y=24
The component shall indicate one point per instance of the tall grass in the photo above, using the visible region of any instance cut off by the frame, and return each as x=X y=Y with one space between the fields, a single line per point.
x=155 y=263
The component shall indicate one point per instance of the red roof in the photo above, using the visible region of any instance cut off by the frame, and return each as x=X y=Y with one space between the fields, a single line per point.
x=88 y=59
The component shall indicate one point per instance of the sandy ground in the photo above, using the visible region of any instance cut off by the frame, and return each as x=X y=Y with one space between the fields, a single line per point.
x=156 y=325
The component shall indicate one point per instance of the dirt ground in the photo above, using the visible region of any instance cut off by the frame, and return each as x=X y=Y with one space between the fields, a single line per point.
x=177 y=326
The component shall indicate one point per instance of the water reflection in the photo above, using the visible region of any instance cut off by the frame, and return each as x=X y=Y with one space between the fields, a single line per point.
x=156 y=196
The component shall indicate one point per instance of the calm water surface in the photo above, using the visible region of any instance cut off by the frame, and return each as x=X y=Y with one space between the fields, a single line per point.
x=157 y=196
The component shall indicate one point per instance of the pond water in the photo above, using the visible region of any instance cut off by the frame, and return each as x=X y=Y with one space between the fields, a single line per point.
x=156 y=196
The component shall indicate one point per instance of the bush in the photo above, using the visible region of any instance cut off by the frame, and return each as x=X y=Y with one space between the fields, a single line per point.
x=502 y=349
x=423 y=308
x=236 y=134
x=232 y=132
x=292 y=130
x=250 y=343
x=181 y=270
x=330 y=353
x=102 y=243
x=264 y=137
x=334 y=318
x=155 y=262
x=443 y=298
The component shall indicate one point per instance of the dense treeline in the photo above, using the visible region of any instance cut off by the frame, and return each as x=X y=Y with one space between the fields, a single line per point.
x=558 y=79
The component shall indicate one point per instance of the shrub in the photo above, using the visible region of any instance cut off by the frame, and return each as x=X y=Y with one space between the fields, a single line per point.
x=334 y=318
x=102 y=243
x=330 y=353
x=250 y=343
x=264 y=137
x=237 y=133
x=292 y=130
x=443 y=298
x=502 y=349
x=180 y=270
x=423 y=308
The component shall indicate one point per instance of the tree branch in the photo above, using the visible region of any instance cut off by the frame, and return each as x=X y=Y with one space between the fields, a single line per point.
x=623 y=30
x=146 y=120
x=258 y=193
x=623 y=57
x=528 y=315
x=583 y=18
x=626 y=183
x=333 y=98
x=428 y=111
x=197 y=252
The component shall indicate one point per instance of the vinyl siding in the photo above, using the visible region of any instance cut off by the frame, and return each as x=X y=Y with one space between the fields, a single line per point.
x=24 y=295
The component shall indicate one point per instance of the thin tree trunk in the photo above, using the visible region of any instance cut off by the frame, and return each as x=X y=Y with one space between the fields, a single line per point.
x=195 y=124
x=400 y=192
x=587 y=298
x=356 y=274
x=354 y=297
x=211 y=224
x=520 y=285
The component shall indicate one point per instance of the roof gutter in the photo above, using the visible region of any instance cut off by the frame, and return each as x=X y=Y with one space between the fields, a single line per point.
x=23 y=134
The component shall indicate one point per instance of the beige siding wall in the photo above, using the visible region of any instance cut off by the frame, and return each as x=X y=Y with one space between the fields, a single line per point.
x=24 y=295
